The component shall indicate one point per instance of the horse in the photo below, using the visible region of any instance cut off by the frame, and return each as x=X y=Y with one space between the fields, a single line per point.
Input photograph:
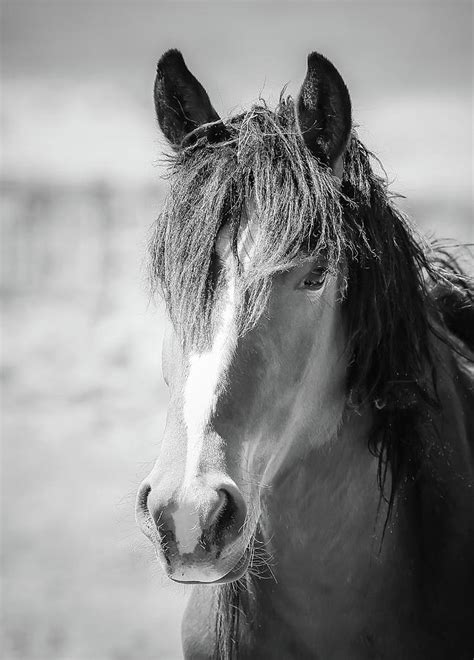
x=315 y=478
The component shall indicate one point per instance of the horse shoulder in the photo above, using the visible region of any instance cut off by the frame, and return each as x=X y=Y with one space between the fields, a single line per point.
x=198 y=625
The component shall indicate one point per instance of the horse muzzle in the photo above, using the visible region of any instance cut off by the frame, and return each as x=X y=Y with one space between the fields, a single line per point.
x=197 y=534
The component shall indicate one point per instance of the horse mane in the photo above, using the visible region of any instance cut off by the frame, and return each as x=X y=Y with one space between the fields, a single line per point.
x=455 y=303
x=400 y=293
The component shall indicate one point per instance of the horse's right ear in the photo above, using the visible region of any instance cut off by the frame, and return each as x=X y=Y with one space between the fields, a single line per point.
x=181 y=102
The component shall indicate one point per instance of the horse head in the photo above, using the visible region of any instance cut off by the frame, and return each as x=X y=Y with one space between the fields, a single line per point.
x=268 y=375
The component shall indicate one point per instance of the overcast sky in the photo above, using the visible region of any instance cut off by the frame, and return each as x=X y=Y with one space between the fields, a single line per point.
x=77 y=79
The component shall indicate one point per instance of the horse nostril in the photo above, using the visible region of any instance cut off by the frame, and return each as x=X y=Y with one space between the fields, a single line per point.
x=218 y=511
x=142 y=512
x=149 y=507
x=142 y=501
x=224 y=522
x=153 y=521
x=226 y=510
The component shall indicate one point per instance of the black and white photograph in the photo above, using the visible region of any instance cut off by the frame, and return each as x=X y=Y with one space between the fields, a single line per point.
x=237 y=330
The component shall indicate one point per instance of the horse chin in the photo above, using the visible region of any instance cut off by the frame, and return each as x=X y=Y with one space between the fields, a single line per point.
x=234 y=574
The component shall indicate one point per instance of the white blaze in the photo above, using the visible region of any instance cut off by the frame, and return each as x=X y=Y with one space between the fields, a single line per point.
x=206 y=375
x=206 y=370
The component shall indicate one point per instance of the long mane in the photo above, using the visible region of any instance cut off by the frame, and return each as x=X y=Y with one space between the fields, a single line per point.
x=399 y=292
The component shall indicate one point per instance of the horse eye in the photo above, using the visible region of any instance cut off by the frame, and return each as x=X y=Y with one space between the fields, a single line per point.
x=315 y=279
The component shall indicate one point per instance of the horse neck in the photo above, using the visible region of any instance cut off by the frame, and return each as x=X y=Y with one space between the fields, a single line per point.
x=322 y=523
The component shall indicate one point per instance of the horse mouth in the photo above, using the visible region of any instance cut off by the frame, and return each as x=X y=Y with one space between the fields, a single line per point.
x=235 y=573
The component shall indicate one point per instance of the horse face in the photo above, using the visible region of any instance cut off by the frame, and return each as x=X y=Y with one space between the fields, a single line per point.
x=247 y=406
x=241 y=412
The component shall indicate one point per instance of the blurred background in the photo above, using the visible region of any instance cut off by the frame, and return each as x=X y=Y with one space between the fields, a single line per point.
x=83 y=404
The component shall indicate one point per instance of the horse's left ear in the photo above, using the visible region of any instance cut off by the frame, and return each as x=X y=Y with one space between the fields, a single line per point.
x=324 y=112
x=181 y=102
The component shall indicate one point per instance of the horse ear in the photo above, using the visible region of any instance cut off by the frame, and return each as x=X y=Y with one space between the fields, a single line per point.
x=181 y=102
x=324 y=111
